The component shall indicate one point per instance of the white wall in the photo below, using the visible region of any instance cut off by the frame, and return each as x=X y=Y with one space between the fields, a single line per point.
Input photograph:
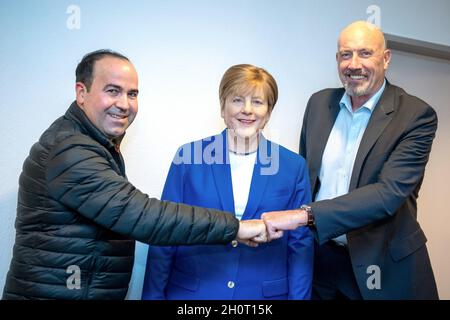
x=181 y=49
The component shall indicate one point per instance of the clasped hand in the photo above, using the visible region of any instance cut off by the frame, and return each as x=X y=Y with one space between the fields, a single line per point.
x=269 y=227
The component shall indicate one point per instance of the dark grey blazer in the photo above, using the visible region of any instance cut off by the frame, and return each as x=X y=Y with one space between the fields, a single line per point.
x=379 y=214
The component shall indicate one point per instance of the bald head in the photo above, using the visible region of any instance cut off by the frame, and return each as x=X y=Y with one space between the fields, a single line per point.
x=363 y=30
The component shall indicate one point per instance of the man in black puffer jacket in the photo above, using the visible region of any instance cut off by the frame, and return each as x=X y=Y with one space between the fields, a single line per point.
x=77 y=214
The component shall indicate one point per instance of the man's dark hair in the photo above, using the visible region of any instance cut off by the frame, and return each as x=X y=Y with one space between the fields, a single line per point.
x=85 y=69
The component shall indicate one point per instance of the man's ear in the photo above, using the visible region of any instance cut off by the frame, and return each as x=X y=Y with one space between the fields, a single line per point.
x=80 y=90
x=387 y=58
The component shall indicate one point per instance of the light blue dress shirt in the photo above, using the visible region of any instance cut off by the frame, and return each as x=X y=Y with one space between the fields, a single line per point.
x=341 y=149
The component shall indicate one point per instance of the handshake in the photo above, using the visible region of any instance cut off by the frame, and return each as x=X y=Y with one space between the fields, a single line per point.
x=270 y=226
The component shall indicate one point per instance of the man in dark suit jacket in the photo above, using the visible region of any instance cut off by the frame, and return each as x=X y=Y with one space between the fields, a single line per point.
x=366 y=146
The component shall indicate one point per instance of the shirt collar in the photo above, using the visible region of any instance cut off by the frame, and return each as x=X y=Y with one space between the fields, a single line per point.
x=346 y=102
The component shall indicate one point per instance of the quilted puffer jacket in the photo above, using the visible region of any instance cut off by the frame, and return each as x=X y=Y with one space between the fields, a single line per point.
x=78 y=217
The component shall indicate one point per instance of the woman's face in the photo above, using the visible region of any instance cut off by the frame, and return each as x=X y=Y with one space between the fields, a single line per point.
x=246 y=115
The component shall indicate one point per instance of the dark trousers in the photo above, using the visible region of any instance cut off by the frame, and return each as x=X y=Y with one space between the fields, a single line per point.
x=333 y=274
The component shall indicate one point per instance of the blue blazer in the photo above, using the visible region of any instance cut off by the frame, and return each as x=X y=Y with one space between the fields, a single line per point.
x=282 y=269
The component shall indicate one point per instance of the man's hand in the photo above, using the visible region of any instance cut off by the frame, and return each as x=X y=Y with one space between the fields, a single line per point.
x=252 y=232
x=277 y=221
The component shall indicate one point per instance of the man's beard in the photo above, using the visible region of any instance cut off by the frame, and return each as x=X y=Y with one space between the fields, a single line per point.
x=356 y=91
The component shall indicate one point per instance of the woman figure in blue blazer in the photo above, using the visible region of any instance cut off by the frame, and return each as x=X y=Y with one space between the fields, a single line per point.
x=241 y=172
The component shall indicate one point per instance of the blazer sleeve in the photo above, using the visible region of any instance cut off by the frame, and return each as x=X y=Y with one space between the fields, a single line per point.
x=81 y=177
x=301 y=244
x=160 y=259
x=400 y=174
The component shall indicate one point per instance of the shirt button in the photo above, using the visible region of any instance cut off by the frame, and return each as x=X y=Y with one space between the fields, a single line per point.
x=234 y=243
x=230 y=284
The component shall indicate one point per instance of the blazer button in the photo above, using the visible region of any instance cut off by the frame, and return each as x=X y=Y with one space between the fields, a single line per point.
x=230 y=284
x=234 y=243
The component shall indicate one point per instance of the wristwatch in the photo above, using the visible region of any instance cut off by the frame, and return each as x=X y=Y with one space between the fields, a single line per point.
x=311 y=221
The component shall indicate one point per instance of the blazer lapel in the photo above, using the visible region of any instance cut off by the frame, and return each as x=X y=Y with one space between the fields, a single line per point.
x=321 y=134
x=222 y=175
x=382 y=115
x=260 y=177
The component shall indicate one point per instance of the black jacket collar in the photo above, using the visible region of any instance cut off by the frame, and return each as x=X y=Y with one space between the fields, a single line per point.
x=76 y=114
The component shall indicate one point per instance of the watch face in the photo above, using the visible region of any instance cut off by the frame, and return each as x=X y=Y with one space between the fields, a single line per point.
x=306 y=208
